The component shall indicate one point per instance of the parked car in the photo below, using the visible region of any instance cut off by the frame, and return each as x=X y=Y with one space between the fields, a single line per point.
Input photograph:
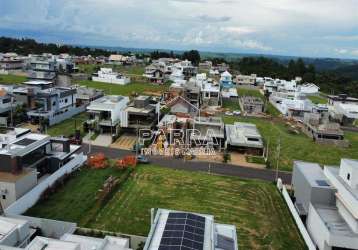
x=236 y=112
x=142 y=159
x=229 y=113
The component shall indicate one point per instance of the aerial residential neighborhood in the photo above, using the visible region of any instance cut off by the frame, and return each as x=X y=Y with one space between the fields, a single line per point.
x=178 y=125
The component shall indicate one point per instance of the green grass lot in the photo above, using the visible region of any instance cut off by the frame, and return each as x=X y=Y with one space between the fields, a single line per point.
x=319 y=99
x=129 y=70
x=68 y=126
x=298 y=146
x=129 y=89
x=12 y=79
x=255 y=207
x=231 y=104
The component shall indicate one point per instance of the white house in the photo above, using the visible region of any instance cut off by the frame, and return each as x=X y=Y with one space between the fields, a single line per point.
x=108 y=112
x=108 y=76
x=329 y=200
x=308 y=89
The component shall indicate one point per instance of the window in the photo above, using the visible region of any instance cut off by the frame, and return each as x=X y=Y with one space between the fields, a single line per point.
x=66 y=100
x=348 y=177
x=54 y=103
x=4 y=197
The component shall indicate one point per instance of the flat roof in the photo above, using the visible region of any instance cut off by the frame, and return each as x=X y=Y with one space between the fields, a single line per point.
x=20 y=145
x=8 y=225
x=243 y=134
x=42 y=243
x=333 y=220
x=37 y=82
x=313 y=173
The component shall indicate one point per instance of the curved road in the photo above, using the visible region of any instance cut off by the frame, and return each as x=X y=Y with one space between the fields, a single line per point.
x=216 y=168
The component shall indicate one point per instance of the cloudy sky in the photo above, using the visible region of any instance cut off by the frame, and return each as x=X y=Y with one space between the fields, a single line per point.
x=326 y=28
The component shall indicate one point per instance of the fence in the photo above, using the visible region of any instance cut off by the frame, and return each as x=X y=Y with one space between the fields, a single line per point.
x=301 y=227
x=30 y=198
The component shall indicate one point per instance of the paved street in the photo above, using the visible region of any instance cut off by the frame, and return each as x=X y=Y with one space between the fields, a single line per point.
x=217 y=168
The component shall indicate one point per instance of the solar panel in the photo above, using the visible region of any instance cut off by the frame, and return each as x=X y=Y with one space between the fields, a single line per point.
x=183 y=231
x=25 y=142
x=322 y=183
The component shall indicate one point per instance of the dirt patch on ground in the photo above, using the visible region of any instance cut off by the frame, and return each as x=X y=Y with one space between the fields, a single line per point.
x=240 y=160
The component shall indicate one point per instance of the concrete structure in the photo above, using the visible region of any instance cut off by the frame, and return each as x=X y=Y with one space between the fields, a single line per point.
x=208 y=131
x=141 y=113
x=321 y=130
x=291 y=106
x=172 y=230
x=244 y=137
x=56 y=105
x=245 y=79
x=251 y=105
x=29 y=233
x=108 y=76
x=308 y=89
x=85 y=94
x=344 y=113
x=154 y=74
x=107 y=113
x=25 y=158
x=343 y=98
x=329 y=201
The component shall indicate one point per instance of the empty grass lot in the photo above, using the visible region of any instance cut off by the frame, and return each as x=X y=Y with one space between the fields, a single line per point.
x=255 y=207
x=126 y=90
x=68 y=127
x=319 y=99
x=298 y=146
x=12 y=79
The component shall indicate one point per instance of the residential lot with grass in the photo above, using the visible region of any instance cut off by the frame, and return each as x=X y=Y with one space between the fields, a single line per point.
x=68 y=127
x=298 y=146
x=319 y=99
x=12 y=79
x=129 y=89
x=255 y=207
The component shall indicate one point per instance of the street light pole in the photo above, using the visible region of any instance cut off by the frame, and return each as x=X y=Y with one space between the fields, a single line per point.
x=278 y=156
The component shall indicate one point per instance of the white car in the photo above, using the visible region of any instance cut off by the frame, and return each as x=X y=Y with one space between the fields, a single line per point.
x=229 y=113
x=237 y=112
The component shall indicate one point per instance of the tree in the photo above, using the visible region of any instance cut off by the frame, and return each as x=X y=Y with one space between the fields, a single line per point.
x=193 y=56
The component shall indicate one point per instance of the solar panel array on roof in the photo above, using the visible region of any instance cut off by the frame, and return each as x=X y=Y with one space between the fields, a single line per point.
x=183 y=231
x=25 y=142
x=322 y=183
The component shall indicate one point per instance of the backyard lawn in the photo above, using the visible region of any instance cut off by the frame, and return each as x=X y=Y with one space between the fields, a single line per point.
x=319 y=99
x=298 y=146
x=68 y=127
x=12 y=79
x=255 y=207
x=129 y=89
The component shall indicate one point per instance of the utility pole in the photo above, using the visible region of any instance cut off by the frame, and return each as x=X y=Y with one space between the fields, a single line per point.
x=90 y=141
x=11 y=112
x=136 y=146
x=278 y=156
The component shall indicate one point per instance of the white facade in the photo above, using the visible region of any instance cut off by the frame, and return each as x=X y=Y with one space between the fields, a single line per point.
x=308 y=89
x=112 y=104
x=332 y=222
x=108 y=76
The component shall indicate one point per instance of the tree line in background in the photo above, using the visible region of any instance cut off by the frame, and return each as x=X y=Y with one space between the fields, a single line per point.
x=27 y=46
x=191 y=55
x=330 y=81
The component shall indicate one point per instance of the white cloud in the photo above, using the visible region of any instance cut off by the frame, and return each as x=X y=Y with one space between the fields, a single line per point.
x=293 y=26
